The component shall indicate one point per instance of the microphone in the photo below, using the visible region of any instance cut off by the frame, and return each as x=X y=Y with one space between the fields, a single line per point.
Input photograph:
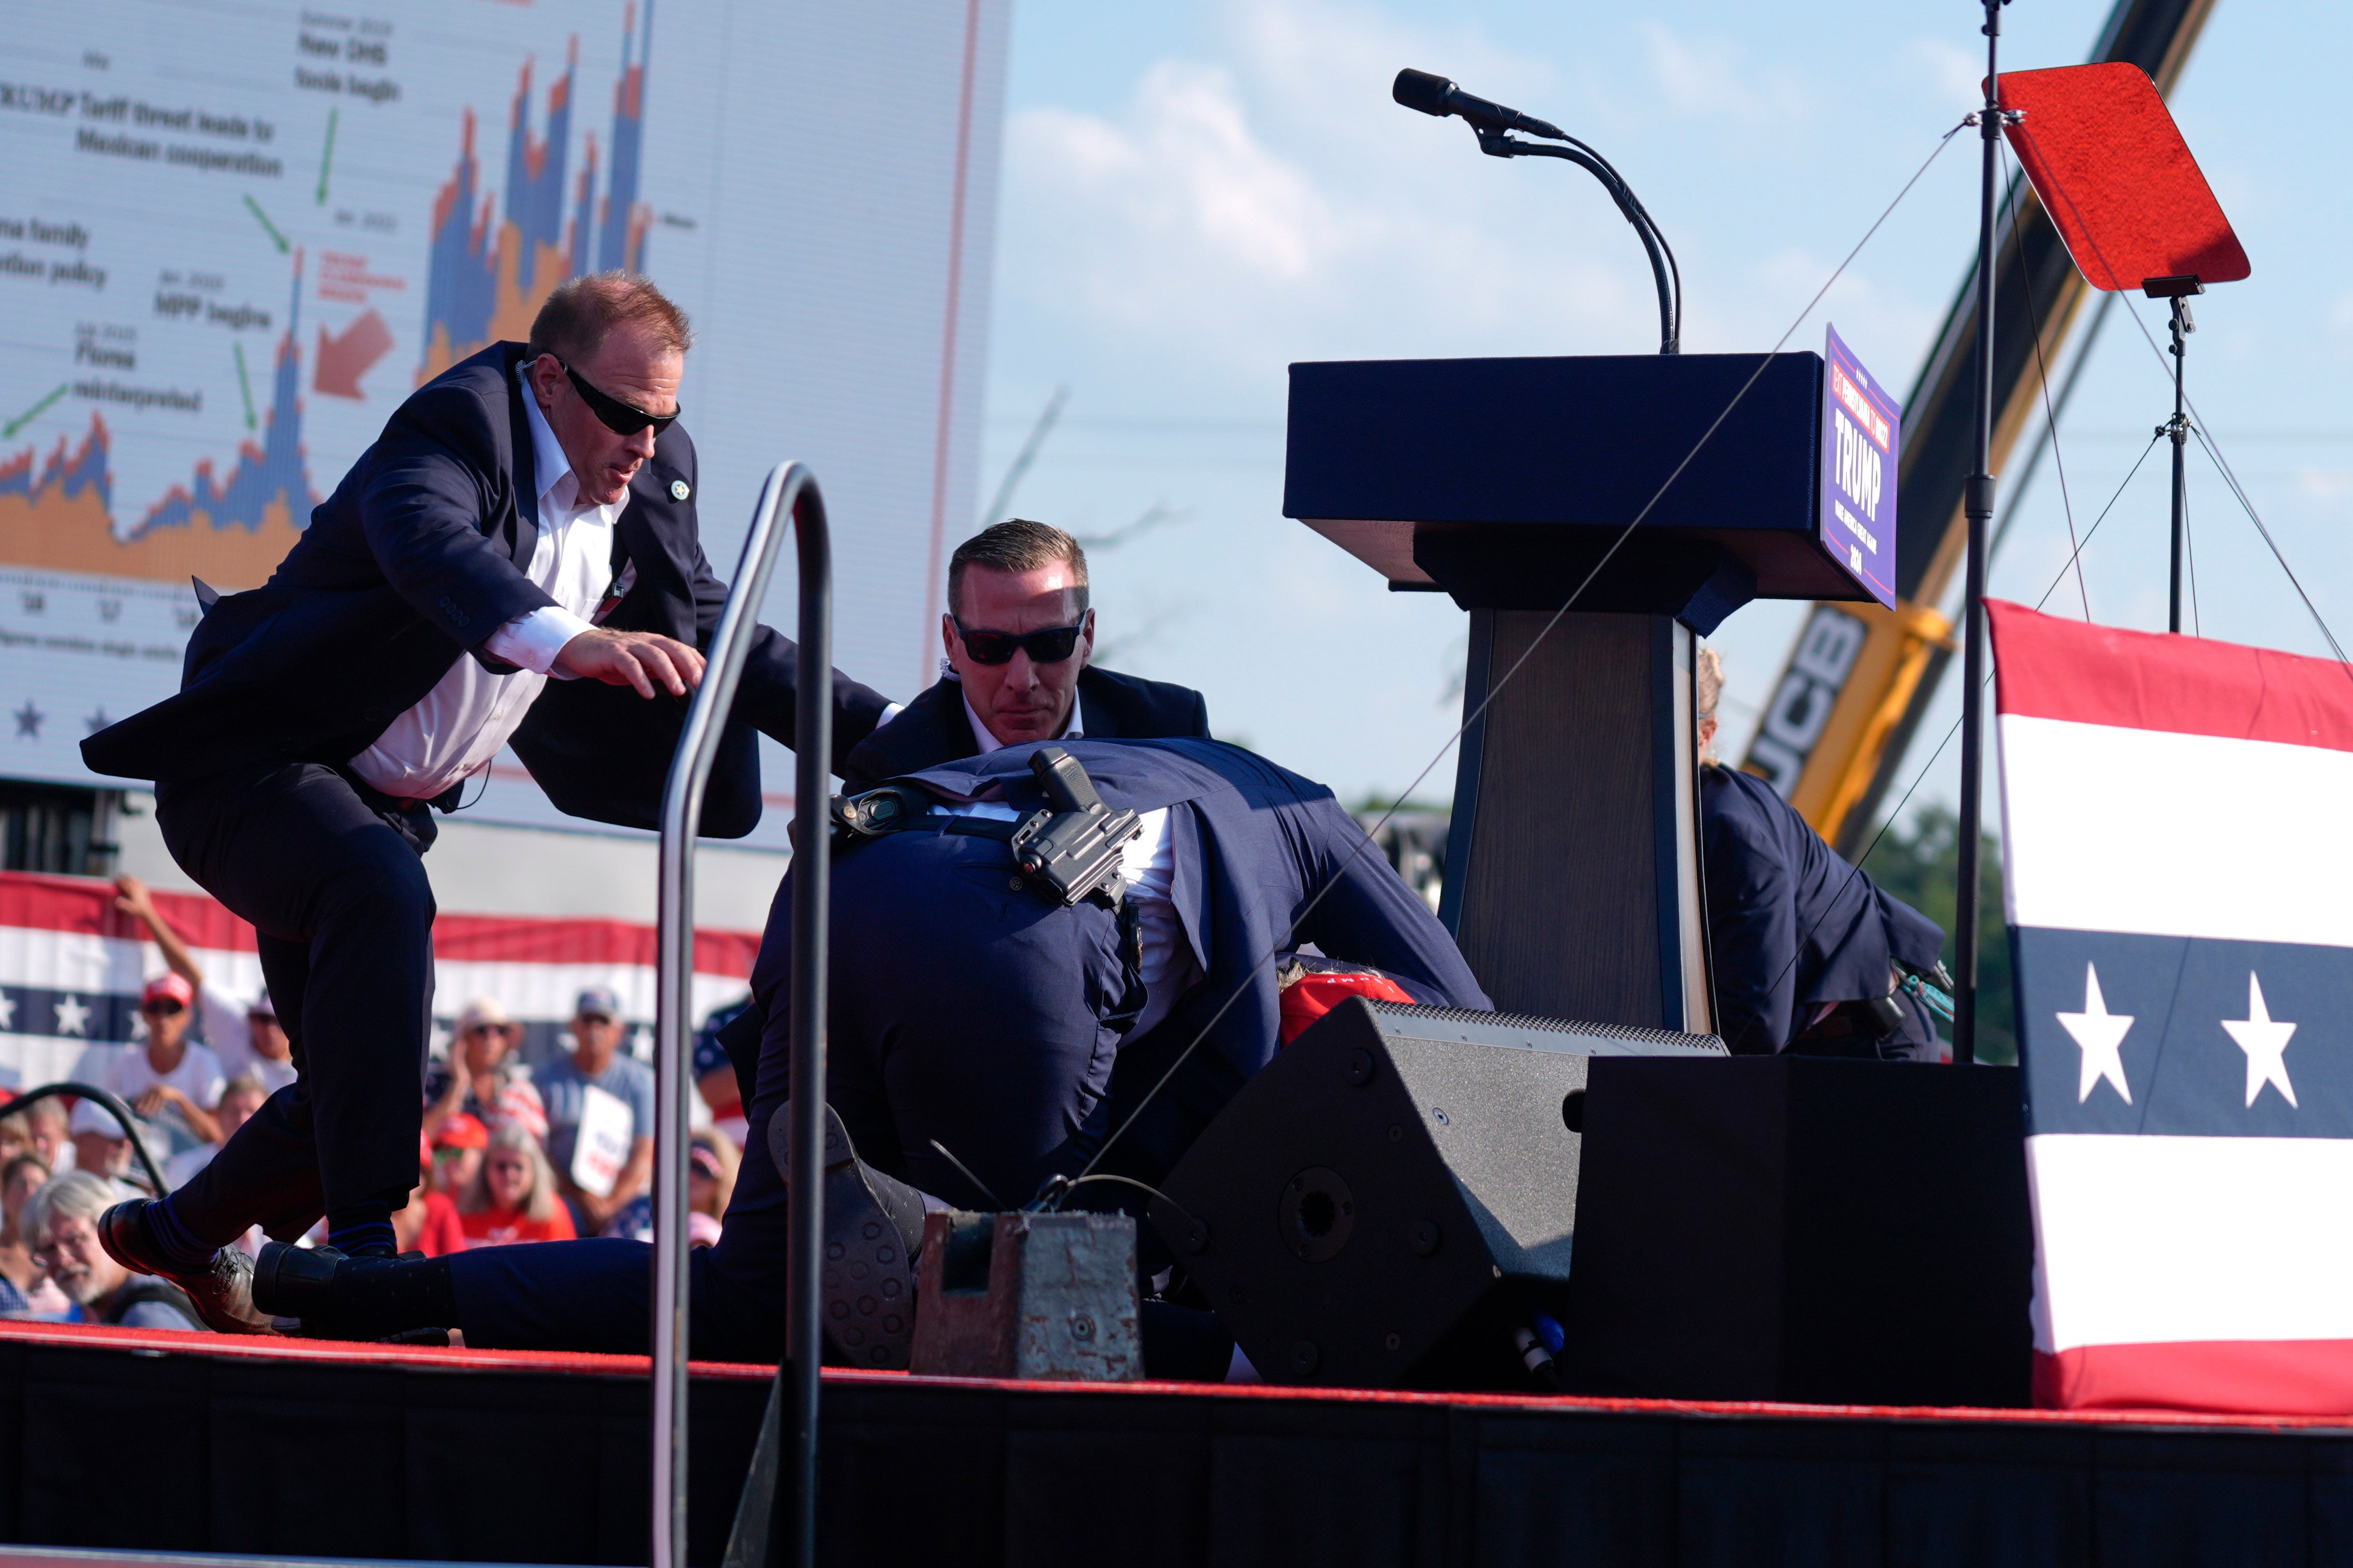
x=1434 y=95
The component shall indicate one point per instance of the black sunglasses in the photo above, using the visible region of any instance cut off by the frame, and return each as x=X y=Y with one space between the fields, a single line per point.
x=1051 y=646
x=621 y=418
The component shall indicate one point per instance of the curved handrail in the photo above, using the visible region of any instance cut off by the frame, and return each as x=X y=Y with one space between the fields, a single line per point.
x=115 y=1107
x=790 y=490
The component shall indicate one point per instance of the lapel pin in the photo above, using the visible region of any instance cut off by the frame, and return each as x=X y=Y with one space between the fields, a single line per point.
x=679 y=490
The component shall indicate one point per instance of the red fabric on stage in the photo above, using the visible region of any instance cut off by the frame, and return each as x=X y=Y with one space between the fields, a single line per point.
x=2272 y=1377
x=2047 y=667
x=2116 y=177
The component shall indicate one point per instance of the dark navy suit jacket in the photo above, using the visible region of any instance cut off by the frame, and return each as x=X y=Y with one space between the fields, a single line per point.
x=410 y=565
x=1254 y=843
x=933 y=727
x=1792 y=924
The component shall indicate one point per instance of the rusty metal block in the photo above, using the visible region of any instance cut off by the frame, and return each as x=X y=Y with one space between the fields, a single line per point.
x=1044 y=1296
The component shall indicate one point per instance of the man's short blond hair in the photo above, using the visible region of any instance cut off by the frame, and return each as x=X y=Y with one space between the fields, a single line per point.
x=583 y=310
x=1018 y=545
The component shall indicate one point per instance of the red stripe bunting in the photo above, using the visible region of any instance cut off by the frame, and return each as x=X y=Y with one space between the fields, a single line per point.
x=85 y=907
x=2249 y=1377
x=2052 y=669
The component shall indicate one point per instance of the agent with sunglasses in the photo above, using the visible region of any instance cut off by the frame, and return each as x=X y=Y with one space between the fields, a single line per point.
x=516 y=560
x=1017 y=633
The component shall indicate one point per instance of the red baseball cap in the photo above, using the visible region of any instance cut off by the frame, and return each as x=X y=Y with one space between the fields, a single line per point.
x=168 y=985
x=462 y=1132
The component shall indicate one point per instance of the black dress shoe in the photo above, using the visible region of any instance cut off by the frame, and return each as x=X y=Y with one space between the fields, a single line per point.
x=369 y=1296
x=221 y=1289
x=873 y=1229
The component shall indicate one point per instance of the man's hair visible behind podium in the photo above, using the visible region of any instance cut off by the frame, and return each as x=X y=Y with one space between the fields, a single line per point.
x=582 y=310
x=1018 y=545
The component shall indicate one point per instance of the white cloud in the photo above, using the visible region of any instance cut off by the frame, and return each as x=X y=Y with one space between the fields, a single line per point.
x=1708 y=76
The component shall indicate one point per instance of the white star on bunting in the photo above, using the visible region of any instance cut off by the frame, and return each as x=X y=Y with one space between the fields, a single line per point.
x=2265 y=1044
x=8 y=1010
x=73 y=1016
x=2101 y=1034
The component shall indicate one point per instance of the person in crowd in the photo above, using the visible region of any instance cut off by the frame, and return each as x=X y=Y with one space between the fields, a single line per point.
x=227 y=1023
x=172 y=1076
x=972 y=1008
x=1810 y=955
x=25 y=1291
x=481 y=1079
x=457 y=1144
x=61 y=1221
x=613 y=1094
x=429 y=1221
x=102 y=1148
x=714 y=1072
x=240 y=1098
x=16 y=1133
x=270 y=1055
x=1017 y=633
x=515 y=1197
x=47 y=1133
x=515 y=561
x=712 y=1161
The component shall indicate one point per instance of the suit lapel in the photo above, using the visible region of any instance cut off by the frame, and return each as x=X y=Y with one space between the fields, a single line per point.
x=521 y=535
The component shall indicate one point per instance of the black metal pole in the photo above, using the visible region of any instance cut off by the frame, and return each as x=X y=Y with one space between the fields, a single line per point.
x=1495 y=144
x=1977 y=504
x=2180 y=429
x=812 y=904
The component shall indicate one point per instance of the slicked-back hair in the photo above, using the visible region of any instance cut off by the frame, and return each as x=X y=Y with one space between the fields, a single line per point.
x=583 y=310
x=1018 y=545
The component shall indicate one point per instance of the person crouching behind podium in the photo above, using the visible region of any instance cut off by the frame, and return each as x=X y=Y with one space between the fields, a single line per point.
x=515 y=559
x=1810 y=953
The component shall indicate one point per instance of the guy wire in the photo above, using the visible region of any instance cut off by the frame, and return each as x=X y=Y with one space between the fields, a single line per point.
x=1497 y=688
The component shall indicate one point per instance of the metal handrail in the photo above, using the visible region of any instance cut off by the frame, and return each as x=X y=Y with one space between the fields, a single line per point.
x=790 y=490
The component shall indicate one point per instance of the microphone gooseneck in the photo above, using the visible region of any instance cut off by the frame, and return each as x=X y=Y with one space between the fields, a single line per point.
x=1434 y=95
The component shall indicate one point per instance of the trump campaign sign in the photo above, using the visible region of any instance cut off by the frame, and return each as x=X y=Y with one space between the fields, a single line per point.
x=2175 y=888
x=1862 y=431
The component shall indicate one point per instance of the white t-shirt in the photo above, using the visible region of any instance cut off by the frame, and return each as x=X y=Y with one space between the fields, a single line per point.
x=198 y=1075
x=225 y=1029
x=274 y=1075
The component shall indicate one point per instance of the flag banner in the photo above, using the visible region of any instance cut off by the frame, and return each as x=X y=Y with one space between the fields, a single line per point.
x=2182 y=940
x=71 y=967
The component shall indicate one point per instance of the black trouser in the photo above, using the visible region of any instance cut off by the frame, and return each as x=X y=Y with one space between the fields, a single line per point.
x=335 y=886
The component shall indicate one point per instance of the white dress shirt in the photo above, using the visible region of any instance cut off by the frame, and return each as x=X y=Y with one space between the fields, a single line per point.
x=468 y=719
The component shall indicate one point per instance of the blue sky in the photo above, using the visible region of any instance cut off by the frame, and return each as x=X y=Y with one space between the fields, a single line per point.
x=1198 y=193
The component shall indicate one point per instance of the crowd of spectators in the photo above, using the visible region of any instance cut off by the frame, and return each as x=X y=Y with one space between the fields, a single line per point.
x=507 y=1155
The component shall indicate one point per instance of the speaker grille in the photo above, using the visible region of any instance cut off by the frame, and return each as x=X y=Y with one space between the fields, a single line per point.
x=1406 y=1016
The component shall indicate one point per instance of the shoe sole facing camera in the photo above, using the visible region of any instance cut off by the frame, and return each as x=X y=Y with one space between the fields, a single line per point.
x=221 y=1291
x=868 y=1286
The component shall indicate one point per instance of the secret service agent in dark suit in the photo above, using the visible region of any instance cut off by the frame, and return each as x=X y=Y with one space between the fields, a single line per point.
x=1801 y=940
x=972 y=1009
x=1017 y=633
x=529 y=512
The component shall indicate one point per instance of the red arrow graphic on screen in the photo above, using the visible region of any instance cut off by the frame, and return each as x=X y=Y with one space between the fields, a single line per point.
x=344 y=360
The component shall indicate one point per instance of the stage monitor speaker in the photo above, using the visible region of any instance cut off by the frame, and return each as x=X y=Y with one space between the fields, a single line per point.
x=1396 y=1193
x=1800 y=1229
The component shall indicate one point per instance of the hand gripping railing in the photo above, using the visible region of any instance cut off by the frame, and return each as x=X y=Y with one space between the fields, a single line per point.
x=790 y=491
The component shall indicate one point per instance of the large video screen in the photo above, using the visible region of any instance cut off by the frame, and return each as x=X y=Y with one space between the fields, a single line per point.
x=232 y=240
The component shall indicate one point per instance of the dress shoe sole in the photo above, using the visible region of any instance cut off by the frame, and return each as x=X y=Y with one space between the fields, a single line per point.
x=222 y=1293
x=868 y=1285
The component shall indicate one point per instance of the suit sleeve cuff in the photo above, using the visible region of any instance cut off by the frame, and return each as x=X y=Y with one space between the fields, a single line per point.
x=534 y=641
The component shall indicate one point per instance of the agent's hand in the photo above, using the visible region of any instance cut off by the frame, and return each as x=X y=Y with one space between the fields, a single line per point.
x=640 y=659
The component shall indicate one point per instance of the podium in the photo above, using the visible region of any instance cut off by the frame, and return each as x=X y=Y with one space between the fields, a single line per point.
x=1573 y=878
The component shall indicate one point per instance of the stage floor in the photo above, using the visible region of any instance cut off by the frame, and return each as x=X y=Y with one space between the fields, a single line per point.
x=182 y=1443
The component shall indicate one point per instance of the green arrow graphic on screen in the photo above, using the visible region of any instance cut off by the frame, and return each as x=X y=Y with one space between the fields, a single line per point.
x=31 y=413
x=263 y=219
x=326 y=158
x=245 y=385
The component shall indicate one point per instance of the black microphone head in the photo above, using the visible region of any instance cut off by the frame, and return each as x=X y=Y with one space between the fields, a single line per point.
x=1420 y=90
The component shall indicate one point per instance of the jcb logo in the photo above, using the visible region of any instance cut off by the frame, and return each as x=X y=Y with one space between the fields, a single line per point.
x=1794 y=720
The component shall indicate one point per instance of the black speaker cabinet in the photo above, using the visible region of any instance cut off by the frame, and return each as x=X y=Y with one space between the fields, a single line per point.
x=1395 y=1194
x=1799 y=1229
